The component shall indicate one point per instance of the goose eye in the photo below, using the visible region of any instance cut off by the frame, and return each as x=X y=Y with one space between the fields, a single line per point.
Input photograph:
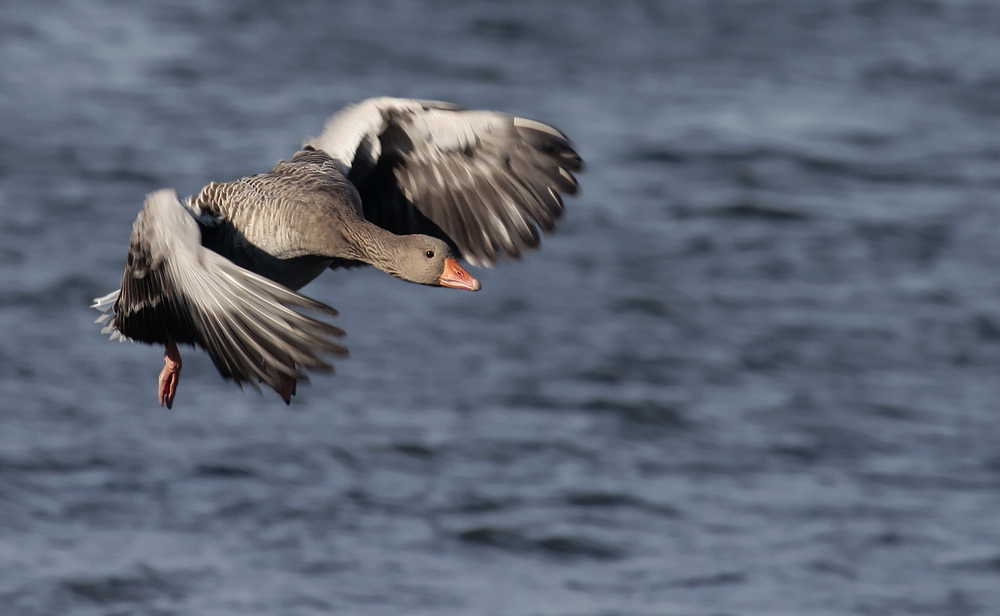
x=429 y=254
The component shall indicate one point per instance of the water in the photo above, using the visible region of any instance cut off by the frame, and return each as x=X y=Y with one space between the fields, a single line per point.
x=755 y=370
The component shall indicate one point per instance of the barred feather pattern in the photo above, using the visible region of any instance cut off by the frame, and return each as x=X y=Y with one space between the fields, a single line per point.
x=485 y=182
x=175 y=289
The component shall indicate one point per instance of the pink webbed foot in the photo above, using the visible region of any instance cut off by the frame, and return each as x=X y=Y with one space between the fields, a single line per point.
x=170 y=374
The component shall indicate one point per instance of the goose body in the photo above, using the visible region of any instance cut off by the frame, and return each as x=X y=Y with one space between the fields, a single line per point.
x=404 y=185
x=289 y=224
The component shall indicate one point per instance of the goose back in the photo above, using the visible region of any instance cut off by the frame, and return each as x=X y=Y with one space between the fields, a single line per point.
x=289 y=224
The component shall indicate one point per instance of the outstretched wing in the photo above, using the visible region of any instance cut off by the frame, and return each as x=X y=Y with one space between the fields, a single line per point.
x=175 y=289
x=483 y=181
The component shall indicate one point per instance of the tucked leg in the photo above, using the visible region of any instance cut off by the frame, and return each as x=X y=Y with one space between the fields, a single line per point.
x=170 y=374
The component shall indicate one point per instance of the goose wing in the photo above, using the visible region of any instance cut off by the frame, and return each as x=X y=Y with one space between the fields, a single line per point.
x=175 y=289
x=483 y=181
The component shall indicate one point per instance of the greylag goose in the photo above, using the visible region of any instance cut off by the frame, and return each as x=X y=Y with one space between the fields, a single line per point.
x=408 y=186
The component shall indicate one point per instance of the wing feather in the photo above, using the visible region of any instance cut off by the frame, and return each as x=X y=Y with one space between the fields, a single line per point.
x=483 y=181
x=175 y=289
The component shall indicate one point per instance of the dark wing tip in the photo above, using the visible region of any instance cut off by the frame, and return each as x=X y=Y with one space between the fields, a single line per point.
x=487 y=183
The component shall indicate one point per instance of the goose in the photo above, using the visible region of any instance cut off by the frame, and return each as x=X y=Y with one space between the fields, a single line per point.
x=407 y=186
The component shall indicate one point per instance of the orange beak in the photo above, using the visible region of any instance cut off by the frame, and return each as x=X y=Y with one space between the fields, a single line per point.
x=455 y=277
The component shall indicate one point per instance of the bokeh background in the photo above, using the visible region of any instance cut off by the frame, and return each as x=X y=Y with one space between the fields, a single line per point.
x=756 y=370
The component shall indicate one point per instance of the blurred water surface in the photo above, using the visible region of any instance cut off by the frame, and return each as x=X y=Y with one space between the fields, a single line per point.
x=755 y=370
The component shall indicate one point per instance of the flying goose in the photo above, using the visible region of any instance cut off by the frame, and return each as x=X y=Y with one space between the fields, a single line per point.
x=408 y=186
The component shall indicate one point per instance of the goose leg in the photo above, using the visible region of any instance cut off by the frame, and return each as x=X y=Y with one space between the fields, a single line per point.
x=170 y=374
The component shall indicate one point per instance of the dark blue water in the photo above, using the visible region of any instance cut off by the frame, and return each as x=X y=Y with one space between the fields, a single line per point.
x=757 y=369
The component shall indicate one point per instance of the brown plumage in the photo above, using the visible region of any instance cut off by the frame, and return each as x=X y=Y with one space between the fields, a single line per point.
x=404 y=185
x=482 y=181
